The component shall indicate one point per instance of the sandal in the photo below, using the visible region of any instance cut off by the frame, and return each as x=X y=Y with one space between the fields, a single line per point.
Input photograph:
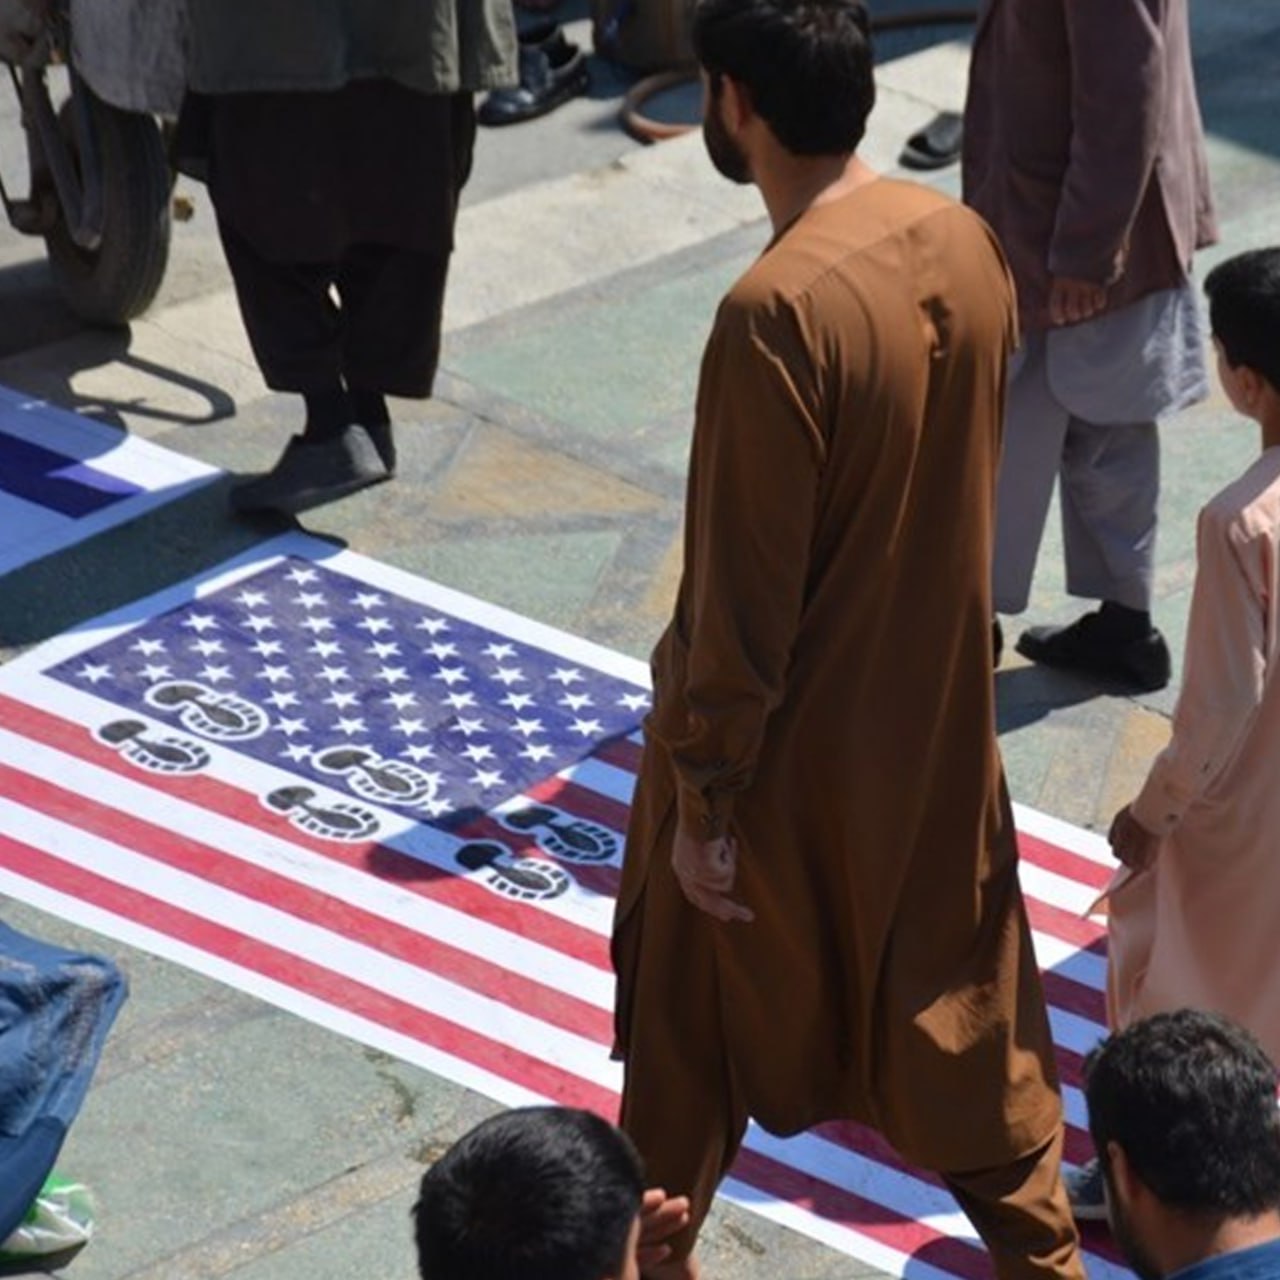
x=936 y=145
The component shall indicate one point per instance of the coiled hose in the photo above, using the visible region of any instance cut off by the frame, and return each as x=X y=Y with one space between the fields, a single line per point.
x=646 y=129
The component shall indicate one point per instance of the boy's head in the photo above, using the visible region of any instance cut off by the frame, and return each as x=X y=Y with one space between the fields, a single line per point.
x=539 y=1193
x=1244 y=315
x=1182 y=1111
x=804 y=64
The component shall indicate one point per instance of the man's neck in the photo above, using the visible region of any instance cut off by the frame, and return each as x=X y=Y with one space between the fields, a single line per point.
x=1189 y=1241
x=790 y=184
x=1270 y=424
x=1265 y=411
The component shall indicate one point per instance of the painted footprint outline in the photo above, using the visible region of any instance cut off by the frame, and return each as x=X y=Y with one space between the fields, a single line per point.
x=562 y=835
x=520 y=878
x=377 y=778
x=153 y=750
x=225 y=717
x=328 y=819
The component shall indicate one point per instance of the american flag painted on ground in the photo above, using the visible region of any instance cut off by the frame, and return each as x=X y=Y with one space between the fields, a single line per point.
x=64 y=477
x=398 y=811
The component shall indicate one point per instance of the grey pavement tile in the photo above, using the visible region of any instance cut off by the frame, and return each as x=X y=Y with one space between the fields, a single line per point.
x=551 y=577
x=1215 y=26
x=607 y=368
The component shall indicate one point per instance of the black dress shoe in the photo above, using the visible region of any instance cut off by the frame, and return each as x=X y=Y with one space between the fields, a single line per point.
x=1090 y=647
x=552 y=70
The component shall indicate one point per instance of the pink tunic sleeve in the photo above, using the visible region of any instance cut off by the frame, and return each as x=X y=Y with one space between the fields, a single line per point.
x=1224 y=670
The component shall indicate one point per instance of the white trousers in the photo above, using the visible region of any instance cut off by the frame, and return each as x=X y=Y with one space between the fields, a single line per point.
x=1109 y=478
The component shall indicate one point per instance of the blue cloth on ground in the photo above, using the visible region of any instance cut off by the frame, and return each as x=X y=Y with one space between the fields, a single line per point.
x=56 y=1007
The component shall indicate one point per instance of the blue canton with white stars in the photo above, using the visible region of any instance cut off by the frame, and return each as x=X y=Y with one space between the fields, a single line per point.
x=315 y=666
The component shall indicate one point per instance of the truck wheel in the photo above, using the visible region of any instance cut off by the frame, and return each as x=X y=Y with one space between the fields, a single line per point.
x=117 y=281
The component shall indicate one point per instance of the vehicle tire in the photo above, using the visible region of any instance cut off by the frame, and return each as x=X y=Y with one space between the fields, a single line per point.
x=117 y=281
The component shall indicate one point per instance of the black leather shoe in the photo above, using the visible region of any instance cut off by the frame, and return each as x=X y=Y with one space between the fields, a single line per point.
x=1087 y=646
x=552 y=70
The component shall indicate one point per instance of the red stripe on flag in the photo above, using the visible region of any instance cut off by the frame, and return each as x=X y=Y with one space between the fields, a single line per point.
x=1067 y=926
x=304 y=976
x=384 y=861
x=622 y=753
x=867 y=1217
x=468 y=969
x=432 y=882
x=581 y=801
x=1063 y=862
x=1074 y=997
x=770 y=1176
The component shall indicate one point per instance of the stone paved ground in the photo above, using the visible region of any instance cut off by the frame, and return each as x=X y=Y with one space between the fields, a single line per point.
x=228 y=1139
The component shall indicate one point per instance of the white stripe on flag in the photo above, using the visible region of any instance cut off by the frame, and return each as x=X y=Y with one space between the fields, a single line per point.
x=248 y=844
x=323 y=1013
x=410 y=984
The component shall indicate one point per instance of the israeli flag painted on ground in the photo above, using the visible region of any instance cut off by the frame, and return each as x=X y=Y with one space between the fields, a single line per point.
x=64 y=477
x=399 y=812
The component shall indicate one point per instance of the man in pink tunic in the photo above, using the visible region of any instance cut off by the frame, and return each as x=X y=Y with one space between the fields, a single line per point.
x=1193 y=912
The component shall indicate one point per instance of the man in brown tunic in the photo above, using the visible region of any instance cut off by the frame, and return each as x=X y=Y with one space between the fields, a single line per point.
x=820 y=914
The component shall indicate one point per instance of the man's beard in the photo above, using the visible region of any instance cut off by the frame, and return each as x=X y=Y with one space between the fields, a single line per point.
x=1122 y=1231
x=725 y=153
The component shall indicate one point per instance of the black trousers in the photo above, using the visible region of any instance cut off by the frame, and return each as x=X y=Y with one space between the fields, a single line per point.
x=370 y=320
x=336 y=213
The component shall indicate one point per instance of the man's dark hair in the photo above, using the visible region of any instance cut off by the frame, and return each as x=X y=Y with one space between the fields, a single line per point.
x=805 y=63
x=1244 y=311
x=538 y=1193
x=1191 y=1098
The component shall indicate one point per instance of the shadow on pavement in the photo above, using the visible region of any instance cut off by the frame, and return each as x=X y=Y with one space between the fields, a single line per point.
x=1027 y=694
x=167 y=545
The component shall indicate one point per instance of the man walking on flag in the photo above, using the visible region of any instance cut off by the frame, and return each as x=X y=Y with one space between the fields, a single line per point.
x=820 y=914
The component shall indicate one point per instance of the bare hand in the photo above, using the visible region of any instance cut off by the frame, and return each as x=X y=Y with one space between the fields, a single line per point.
x=661 y=1216
x=1071 y=301
x=706 y=870
x=1131 y=842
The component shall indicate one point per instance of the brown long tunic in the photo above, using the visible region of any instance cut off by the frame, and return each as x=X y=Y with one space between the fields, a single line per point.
x=824 y=693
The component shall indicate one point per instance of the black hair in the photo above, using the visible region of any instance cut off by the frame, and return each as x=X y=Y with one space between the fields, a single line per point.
x=1191 y=1099
x=1244 y=311
x=538 y=1193
x=805 y=63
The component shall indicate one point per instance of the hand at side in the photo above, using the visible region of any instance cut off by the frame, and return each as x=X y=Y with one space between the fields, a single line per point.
x=1131 y=842
x=706 y=870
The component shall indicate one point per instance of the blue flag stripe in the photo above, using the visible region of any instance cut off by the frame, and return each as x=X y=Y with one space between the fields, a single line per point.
x=65 y=485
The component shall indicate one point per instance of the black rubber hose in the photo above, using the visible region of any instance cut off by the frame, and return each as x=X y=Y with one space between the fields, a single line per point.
x=646 y=129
